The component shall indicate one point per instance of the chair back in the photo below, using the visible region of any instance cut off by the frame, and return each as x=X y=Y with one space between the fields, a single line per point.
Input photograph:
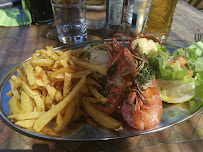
x=196 y=3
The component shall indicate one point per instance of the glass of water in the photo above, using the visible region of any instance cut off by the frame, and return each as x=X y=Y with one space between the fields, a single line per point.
x=70 y=19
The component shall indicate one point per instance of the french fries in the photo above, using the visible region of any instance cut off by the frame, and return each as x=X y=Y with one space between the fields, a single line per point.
x=26 y=116
x=48 y=116
x=14 y=105
x=97 y=95
x=28 y=68
x=51 y=88
x=50 y=53
x=26 y=103
x=62 y=70
x=16 y=80
x=59 y=123
x=49 y=131
x=42 y=62
x=80 y=74
x=25 y=123
x=93 y=67
x=90 y=99
x=14 y=89
x=100 y=117
x=38 y=100
x=93 y=82
x=69 y=113
x=67 y=84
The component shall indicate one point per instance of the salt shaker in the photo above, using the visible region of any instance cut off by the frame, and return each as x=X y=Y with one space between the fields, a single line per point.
x=138 y=16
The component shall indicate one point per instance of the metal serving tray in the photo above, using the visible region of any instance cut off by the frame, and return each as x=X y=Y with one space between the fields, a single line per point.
x=81 y=131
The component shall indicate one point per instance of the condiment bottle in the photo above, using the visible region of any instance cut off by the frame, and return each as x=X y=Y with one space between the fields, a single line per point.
x=114 y=14
x=138 y=16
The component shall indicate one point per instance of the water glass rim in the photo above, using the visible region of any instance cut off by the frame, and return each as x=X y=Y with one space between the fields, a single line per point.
x=66 y=5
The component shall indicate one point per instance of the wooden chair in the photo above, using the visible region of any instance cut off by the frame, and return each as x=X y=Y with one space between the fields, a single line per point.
x=196 y=3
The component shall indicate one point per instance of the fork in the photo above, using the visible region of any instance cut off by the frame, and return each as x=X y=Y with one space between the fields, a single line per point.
x=198 y=37
x=22 y=18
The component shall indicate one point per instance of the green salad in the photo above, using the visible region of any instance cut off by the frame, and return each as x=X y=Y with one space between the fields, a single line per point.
x=180 y=74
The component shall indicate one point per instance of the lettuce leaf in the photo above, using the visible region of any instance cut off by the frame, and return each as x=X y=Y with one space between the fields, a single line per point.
x=170 y=73
x=159 y=61
x=195 y=56
x=178 y=53
x=199 y=86
x=175 y=72
x=164 y=71
x=191 y=53
x=196 y=65
x=199 y=48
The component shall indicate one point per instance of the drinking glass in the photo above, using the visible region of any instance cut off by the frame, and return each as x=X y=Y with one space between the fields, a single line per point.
x=41 y=11
x=70 y=19
x=160 y=18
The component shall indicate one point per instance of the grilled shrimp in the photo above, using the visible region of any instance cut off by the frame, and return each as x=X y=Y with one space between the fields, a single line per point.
x=102 y=55
x=138 y=101
x=143 y=109
x=114 y=86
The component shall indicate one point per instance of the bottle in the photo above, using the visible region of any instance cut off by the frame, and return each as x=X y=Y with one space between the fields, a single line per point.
x=129 y=11
x=138 y=16
x=114 y=15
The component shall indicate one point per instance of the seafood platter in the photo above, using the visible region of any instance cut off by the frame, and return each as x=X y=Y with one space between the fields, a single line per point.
x=100 y=90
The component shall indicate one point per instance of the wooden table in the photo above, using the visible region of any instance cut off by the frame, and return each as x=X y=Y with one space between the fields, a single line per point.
x=18 y=44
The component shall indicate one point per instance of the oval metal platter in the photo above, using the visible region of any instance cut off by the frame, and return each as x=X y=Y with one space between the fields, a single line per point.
x=81 y=131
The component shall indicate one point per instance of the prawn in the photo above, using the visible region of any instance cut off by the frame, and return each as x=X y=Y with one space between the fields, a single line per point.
x=142 y=108
x=113 y=88
x=119 y=68
x=114 y=83
x=118 y=81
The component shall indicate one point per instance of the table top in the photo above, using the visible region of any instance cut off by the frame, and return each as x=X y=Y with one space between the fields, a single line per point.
x=18 y=44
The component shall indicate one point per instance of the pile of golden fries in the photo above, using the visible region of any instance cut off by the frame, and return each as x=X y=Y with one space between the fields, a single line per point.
x=56 y=87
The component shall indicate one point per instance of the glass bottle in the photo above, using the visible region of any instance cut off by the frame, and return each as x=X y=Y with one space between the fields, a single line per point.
x=138 y=16
x=114 y=15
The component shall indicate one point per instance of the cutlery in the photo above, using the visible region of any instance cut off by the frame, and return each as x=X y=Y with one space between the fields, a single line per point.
x=22 y=18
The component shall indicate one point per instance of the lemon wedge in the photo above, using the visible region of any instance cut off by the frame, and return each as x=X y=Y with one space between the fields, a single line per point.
x=175 y=91
x=146 y=46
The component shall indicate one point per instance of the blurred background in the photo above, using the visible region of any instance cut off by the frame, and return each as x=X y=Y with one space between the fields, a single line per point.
x=196 y=3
